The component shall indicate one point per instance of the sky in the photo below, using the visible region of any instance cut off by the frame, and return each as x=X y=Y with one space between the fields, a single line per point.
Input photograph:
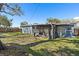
x=39 y=12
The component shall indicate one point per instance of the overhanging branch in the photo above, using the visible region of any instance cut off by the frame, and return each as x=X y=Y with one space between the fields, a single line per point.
x=6 y=12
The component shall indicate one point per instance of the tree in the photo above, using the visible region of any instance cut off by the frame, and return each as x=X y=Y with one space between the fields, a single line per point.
x=53 y=20
x=68 y=21
x=35 y=24
x=11 y=9
x=24 y=23
x=5 y=22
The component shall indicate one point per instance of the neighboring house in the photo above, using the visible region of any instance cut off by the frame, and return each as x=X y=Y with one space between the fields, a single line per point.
x=26 y=29
x=51 y=31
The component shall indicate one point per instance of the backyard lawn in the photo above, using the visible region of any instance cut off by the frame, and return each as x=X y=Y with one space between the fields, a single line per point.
x=18 y=44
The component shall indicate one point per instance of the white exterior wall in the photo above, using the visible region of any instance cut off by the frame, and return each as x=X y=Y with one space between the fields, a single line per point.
x=77 y=24
x=27 y=30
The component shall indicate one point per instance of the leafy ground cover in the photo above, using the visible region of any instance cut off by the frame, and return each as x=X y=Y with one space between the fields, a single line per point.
x=28 y=45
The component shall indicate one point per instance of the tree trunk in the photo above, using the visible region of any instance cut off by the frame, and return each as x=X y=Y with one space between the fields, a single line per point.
x=2 y=47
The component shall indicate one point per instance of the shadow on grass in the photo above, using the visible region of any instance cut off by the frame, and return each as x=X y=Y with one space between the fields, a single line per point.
x=2 y=37
x=36 y=43
x=27 y=51
x=40 y=42
x=68 y=52
x=75 y=42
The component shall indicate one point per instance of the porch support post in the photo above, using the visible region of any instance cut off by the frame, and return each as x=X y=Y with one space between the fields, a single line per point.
x=35 y=31
x=31 y=30
x=51 y=33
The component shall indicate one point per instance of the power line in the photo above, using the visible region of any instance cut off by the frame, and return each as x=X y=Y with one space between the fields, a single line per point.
x=34 y=13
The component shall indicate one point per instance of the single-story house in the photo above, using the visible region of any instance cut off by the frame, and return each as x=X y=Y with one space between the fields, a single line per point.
x=51 y=31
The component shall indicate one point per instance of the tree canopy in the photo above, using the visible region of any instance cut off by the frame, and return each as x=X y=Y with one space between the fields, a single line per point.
x=5 y=22
x=53 y=20
x=11 y=9
x=24 y=23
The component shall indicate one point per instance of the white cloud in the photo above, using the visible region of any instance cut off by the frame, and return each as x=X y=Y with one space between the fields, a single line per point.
x=76 y=18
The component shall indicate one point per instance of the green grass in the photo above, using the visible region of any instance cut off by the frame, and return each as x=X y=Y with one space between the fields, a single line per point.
x=23 y=44
x=11 y=33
